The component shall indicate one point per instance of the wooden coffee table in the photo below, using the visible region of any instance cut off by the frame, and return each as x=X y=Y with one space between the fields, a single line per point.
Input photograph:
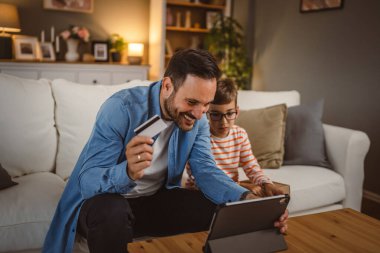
x=342 y=230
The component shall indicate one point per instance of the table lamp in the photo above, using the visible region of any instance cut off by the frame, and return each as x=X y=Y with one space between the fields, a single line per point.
x=9 y=22
x=135 y=53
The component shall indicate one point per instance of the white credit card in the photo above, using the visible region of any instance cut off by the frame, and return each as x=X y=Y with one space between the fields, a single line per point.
x=151 y=127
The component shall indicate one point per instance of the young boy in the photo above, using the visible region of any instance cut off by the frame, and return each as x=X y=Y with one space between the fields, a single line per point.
x=230 y=144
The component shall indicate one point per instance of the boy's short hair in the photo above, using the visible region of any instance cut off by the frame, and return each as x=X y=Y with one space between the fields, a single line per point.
x=226 y=92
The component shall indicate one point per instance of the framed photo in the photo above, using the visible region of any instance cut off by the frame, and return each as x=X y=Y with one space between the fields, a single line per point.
x=26 y=48
x=100 y=50
x=320 y=5
x=47 y=51
x=211 y=17
x=70 y=5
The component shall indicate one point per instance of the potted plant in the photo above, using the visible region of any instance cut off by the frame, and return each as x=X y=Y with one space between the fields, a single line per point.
x=226 y=42
x=117 y=45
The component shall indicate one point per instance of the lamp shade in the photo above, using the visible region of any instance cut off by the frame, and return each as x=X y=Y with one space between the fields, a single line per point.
x=9 y=21
x=136 y=49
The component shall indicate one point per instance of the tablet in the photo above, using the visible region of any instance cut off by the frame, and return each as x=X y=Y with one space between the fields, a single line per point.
x=247 y=220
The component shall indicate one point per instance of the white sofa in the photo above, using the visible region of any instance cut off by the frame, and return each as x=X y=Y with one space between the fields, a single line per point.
x=44 y=125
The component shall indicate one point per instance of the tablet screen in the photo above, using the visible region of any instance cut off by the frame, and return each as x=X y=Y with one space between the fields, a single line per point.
x=247 y=216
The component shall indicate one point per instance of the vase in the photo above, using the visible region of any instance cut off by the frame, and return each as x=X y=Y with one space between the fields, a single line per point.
x=72 y=50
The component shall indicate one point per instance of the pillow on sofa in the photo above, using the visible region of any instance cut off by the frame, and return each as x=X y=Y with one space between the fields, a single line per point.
x=304 y=139
x=266 y=132
x=28 y=137
x=5 y=179
x=76 y=109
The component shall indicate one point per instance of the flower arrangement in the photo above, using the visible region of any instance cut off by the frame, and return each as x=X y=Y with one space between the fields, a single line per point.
x=76 y=32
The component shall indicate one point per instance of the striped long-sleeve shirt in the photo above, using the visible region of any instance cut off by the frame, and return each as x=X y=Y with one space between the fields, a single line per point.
x=235 y=151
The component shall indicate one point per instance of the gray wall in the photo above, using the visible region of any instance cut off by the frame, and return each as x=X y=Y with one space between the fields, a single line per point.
x=129 y=18
x=331 y=54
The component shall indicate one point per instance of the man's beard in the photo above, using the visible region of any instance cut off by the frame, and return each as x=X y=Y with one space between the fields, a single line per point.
x=174 y=115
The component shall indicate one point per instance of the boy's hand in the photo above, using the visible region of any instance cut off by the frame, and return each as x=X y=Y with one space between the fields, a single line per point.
x=272 y=189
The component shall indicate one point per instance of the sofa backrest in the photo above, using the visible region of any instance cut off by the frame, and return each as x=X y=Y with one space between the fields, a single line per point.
x=76 y=109
x=248 y=99
x=28 y=137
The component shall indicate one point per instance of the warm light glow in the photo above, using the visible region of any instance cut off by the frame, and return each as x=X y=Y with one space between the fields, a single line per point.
x=136 y=49
x=9 y=21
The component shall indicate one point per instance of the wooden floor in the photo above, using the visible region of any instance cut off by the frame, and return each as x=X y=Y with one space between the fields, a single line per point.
x=371 y=208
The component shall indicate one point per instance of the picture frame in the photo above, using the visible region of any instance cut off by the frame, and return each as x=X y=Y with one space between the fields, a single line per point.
x=211 y=17
x=86 y=6
x=320 y=5
x=26 y=47
x=100 y=50
x=47 y=51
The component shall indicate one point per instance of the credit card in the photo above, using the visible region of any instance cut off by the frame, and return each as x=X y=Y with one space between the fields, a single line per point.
x=151 y=127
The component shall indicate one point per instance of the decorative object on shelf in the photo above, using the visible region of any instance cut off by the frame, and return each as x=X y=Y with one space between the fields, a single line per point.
x=168 y=48
x=211 y=18
x=76 y=6
x=135 y=53
x=195 y=42
x=178 y=19
x=73 y=36
x=188 y=19
x=100 y=51
x=26 y=47
x=226 y=42
x=320 y=5
x=169 y=17
x=72 y=50
x=9 y=22
x=117 y=45
x=47 y=51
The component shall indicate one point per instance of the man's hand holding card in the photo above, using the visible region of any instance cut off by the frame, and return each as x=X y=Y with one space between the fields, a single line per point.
x=139 y=150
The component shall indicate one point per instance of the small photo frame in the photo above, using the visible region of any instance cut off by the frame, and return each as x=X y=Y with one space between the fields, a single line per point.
x=47 y=51
x=26 y=47
x=320 y=5
x=86 y=6
x=211 y=17
x=100 y=50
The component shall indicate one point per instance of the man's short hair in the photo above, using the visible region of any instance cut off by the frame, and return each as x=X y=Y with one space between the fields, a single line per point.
x=226 y=92
x=197 y=62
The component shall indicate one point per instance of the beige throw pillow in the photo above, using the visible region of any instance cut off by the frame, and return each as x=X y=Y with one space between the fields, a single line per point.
x=266 y=132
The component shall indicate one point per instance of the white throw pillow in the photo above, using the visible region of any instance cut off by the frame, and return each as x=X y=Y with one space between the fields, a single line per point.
x=28 y=138
x=76 y=108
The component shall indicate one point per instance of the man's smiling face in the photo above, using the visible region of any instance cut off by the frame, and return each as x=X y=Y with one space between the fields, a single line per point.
x=189 y=102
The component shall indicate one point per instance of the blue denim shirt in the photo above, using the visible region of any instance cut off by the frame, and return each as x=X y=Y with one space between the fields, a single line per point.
x=101 y=167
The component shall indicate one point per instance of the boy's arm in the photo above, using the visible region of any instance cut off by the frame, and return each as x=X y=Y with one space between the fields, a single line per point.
x=250 y=164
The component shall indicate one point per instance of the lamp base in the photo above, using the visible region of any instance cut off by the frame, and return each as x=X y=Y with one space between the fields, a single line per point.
x=134 y=60
x=5 y=47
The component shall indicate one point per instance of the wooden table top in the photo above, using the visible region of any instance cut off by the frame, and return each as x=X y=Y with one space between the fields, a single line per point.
x=343 y=230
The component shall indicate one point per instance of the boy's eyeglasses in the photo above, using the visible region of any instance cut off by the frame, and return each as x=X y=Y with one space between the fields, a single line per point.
x=216 y=116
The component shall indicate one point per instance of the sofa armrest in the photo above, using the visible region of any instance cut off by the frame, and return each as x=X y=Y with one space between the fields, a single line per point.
x=346 y=150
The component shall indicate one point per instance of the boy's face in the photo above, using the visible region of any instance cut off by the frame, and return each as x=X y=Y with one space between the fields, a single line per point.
x=222 y=118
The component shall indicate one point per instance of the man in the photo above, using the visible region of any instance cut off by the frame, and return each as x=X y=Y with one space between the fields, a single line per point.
x=124 y=186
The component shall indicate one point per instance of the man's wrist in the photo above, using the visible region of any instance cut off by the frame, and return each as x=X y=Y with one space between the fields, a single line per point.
x=244 y=195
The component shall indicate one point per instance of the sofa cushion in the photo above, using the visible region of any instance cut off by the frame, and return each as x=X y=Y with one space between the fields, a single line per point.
x=27 y=210
x=76 y=109
x=5 y=179
x=249 y=99
x=266 y=132
x=28 y=138
x=304 y=139
x=310 y=186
